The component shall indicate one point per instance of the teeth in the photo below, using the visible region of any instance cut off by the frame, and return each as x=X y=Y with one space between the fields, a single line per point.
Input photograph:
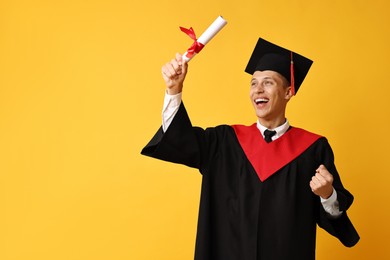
x=261 y=100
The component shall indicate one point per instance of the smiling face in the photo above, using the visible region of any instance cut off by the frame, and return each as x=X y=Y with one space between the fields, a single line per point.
x=269 y=94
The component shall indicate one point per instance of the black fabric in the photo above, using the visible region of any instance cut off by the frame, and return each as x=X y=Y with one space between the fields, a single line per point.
x=242 y=218
x=275 y=62
x=268 y=135
x=269 y=56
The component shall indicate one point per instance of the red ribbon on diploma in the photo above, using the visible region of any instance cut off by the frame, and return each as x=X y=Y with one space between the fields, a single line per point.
x=196 y=47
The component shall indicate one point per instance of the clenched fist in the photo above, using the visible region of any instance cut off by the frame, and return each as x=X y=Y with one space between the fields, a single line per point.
x=322 y=183
x=174 y=73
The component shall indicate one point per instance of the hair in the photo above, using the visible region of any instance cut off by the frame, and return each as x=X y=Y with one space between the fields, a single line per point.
x=285 y=82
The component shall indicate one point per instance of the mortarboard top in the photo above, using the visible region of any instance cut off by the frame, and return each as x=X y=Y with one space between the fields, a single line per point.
x=268 y=56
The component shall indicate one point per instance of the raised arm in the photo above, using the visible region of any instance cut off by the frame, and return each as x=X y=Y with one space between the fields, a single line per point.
x=174 y=73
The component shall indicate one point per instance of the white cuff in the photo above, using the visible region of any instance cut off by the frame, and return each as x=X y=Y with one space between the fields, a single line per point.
x=170 y=108
x=331 y=205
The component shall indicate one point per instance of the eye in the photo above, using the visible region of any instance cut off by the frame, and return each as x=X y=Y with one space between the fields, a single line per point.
x=253 y=84
x=268 y=83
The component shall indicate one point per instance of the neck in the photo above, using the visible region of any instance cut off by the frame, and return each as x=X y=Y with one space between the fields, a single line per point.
x=274 y=123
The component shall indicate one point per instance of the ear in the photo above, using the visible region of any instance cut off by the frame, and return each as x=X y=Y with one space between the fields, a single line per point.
x=288 y=94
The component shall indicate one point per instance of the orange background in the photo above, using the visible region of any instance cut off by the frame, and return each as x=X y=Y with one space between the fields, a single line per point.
x=81 y=93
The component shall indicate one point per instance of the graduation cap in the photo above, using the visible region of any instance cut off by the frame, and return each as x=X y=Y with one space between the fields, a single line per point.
x=291 y=65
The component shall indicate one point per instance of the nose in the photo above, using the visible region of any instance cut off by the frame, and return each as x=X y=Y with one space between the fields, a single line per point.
x=259 y=88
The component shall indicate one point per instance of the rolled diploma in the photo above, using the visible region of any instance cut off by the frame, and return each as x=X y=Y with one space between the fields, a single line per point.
x=213 y=29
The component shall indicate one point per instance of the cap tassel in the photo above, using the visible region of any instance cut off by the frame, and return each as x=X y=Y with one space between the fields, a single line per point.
x=292 y=83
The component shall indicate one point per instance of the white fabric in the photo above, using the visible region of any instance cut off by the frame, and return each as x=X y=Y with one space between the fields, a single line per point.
x=171 y=106
x=280 y=130
x=331 y=205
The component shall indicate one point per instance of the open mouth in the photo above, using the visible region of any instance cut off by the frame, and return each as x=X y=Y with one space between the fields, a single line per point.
x=259 y=101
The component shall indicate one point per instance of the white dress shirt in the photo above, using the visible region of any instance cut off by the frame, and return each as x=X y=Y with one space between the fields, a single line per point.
x=171 y=106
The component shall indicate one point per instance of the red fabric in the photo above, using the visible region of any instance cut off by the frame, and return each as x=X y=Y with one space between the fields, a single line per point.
x=196 y=47
x=292 y=78
x=268 y=158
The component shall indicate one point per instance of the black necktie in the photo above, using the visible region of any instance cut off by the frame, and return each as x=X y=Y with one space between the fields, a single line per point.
x=268 y=135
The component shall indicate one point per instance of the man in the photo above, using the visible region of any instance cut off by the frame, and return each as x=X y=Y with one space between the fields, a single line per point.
x=264 y=186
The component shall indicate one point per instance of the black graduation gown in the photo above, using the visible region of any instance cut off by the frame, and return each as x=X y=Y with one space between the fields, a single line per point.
x=241 y=217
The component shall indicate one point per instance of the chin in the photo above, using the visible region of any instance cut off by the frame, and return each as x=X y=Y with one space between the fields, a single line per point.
x=261 y=113
x=261 y=116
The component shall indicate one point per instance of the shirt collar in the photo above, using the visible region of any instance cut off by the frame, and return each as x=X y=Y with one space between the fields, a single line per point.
x=280 y=130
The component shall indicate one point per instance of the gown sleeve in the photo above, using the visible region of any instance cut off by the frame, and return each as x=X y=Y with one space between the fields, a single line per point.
x=340 y=227
x=182 y=143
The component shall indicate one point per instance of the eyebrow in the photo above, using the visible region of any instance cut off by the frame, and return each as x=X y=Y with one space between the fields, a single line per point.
x=266 y=77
